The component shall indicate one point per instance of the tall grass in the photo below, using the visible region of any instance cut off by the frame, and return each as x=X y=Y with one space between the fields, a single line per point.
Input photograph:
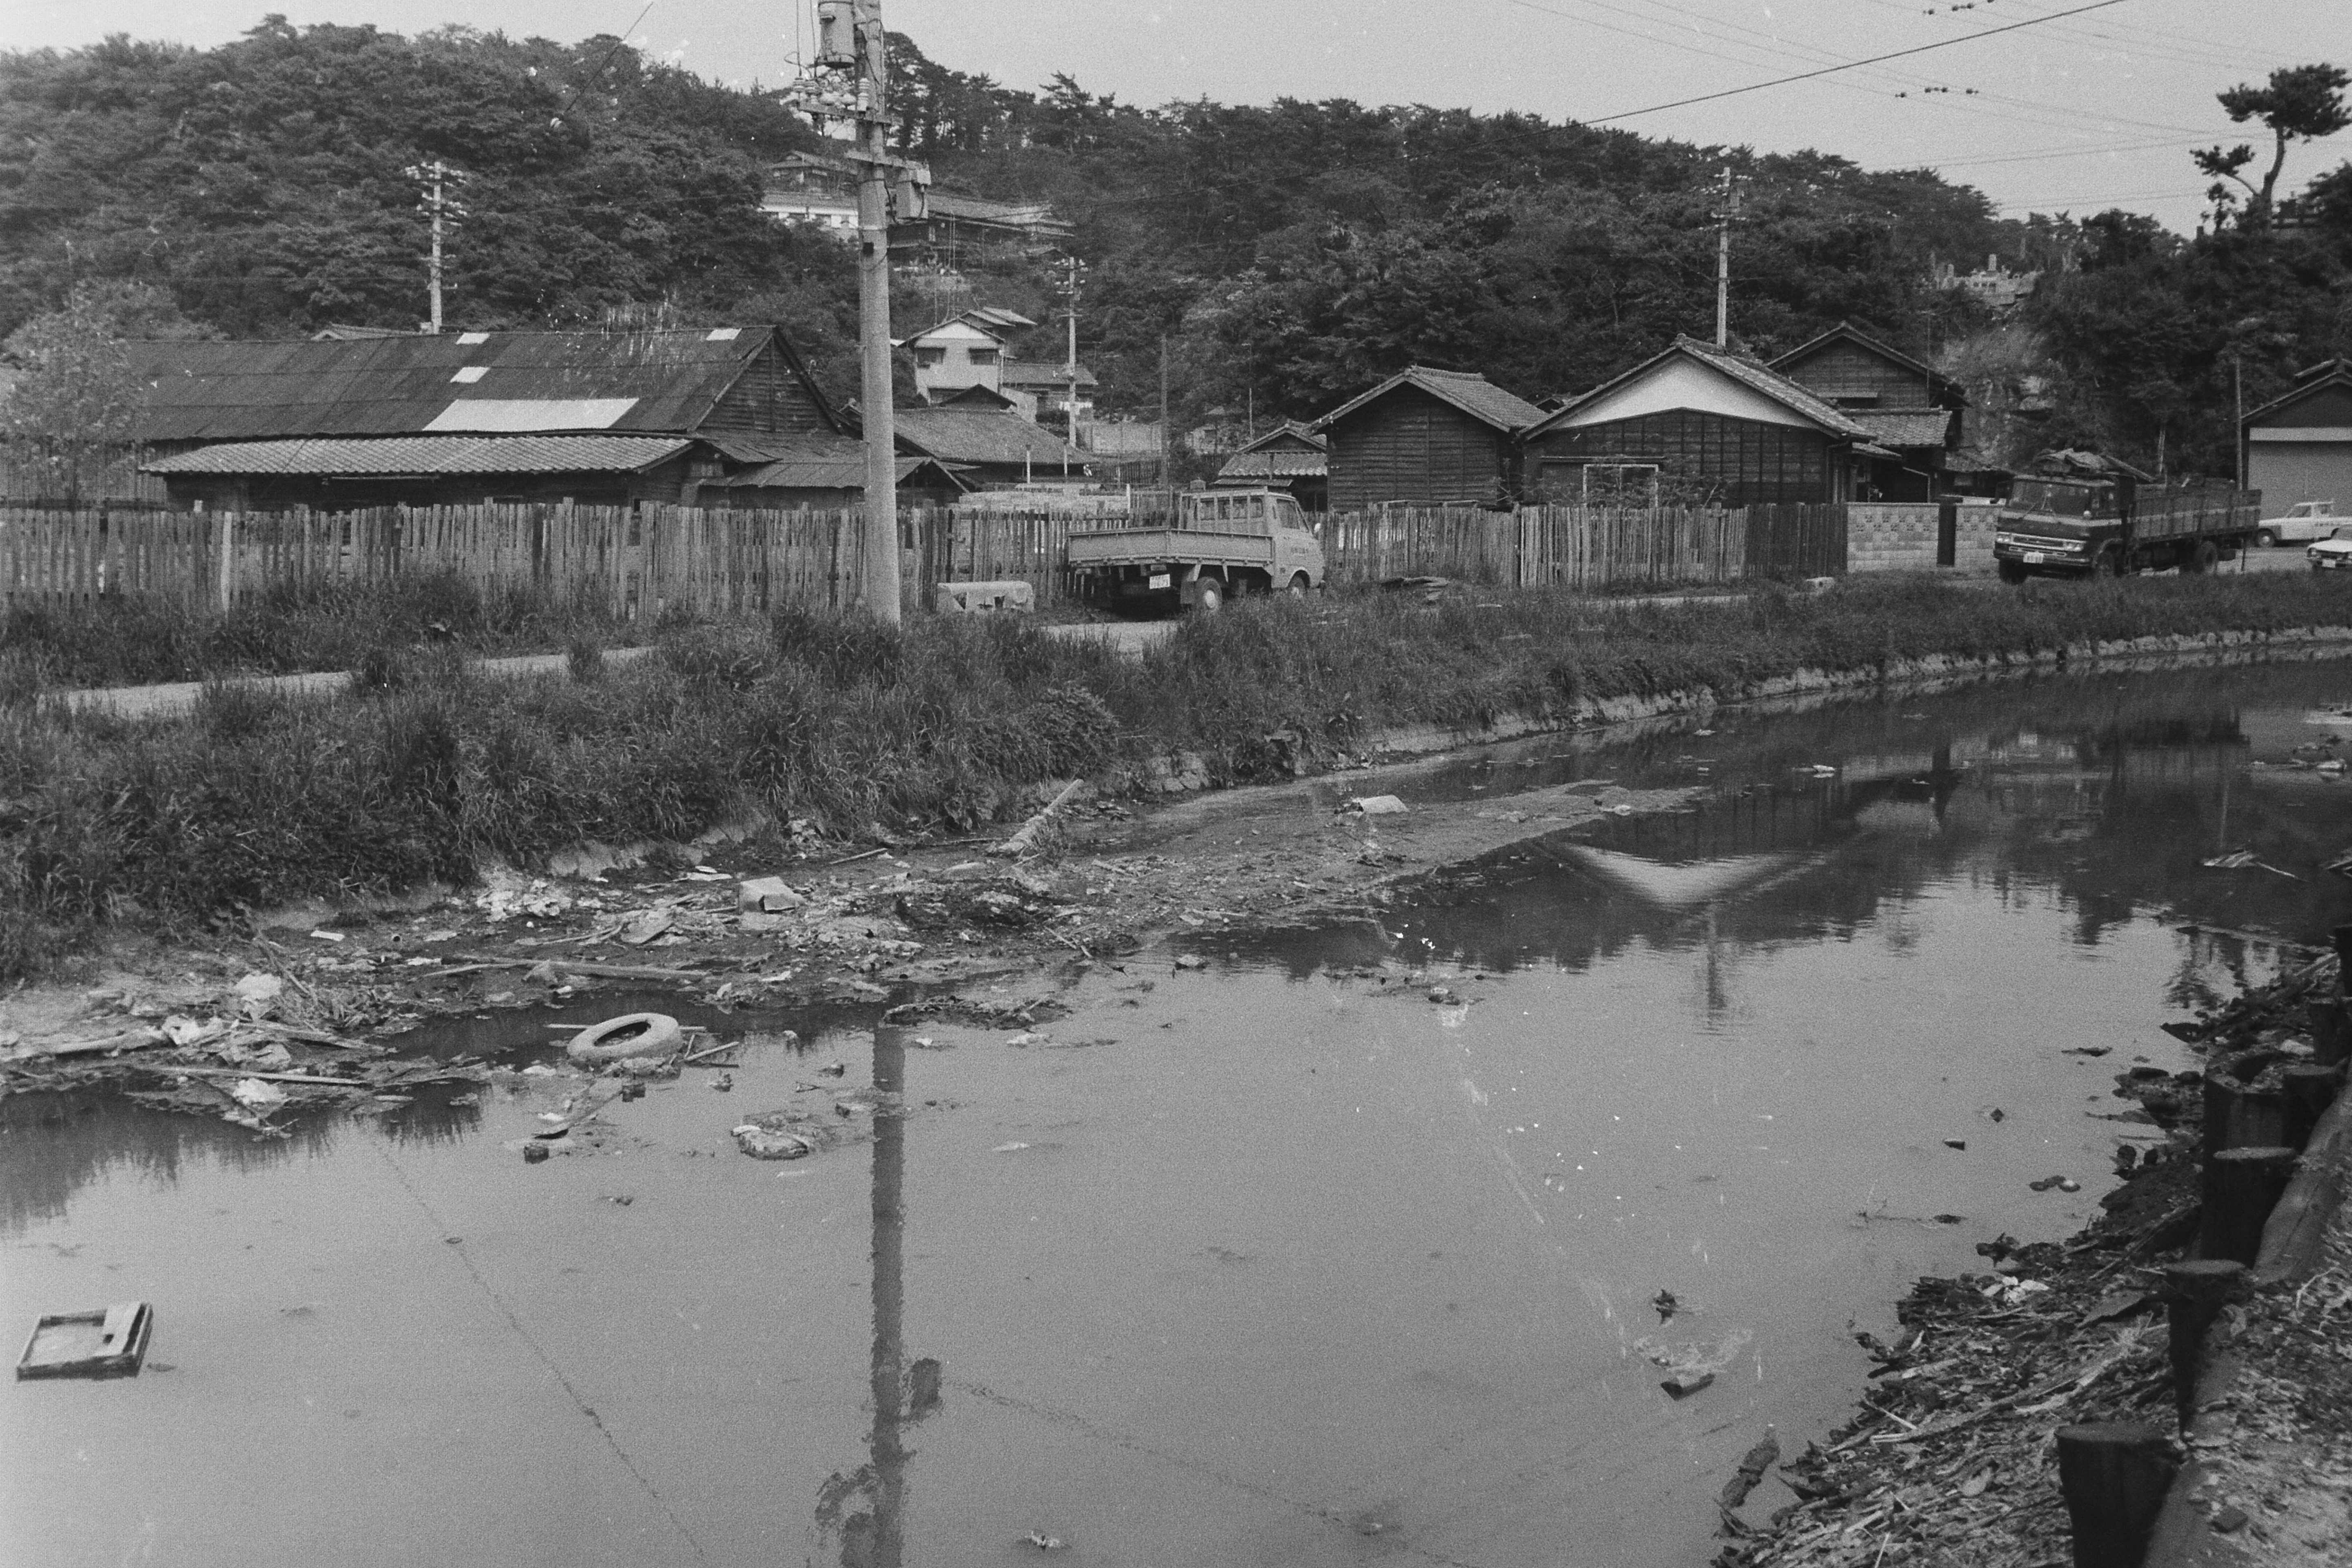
x=290 y=629
x=254 y=800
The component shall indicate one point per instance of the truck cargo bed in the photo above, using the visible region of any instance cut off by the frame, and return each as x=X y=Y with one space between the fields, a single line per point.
x=1142 y=546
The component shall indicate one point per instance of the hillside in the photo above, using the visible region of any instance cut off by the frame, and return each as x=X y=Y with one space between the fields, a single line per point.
x=1290 y=253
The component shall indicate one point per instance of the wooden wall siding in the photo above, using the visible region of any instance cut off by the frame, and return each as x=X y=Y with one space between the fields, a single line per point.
x=1754 y=463
x=767 y=399
x=2329 y=405
x=1413 y=449
x=1849 y=370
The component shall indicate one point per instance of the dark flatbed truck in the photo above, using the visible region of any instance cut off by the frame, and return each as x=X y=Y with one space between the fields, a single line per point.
x=1224 y=543
x=2112 y=525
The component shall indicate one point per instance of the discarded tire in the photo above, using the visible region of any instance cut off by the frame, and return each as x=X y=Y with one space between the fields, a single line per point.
x=631 y=1035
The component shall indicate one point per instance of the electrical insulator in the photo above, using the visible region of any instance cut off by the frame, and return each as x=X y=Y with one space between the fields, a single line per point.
x=837 y=34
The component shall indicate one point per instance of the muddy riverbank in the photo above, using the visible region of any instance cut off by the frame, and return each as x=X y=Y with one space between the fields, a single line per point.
x=1273 y=1182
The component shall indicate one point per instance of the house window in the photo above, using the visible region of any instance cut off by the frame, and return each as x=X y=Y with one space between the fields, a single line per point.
x=927 y=358
x=984 y=356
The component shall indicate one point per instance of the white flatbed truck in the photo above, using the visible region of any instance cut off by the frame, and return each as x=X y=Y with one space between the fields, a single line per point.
x=1224 y=544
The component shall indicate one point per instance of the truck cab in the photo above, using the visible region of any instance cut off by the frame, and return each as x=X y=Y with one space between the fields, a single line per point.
x=2058 y=526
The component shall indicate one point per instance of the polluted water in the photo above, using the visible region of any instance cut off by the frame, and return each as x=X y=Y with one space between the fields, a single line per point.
x=1382 y=1236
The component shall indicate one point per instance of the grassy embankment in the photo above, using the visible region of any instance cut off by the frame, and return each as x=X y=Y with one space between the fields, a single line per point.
x=287 y=631
x=253 y=800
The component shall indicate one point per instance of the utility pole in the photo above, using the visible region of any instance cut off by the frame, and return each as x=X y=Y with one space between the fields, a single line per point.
x=446 y=208
x=1167 y=436
x=1723 y=262
x=1074 y=278
x=849 y=81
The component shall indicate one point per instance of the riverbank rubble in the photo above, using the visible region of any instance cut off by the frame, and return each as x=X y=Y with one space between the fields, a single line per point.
x=1952 y=1459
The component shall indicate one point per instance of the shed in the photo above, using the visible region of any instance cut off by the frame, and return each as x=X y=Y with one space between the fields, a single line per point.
x=990 y=446
x=1908 y=408
x=828 y=471
x=1702 y=419
x=701 y=386
x=1425 y=438
x=1291 y=458
x=2298 y=447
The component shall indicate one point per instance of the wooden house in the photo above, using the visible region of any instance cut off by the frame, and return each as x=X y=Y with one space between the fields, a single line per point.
x=1908 y=408
x=596 y=417
x=990 y=446
x=2298 y=447
x=1425 y=438
x=1291 y=458
x=1697 y=422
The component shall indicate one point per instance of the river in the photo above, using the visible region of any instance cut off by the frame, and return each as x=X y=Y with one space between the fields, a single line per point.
x=1275 y=1261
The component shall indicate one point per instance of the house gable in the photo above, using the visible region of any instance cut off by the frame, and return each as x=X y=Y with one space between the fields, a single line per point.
x=1680 y=383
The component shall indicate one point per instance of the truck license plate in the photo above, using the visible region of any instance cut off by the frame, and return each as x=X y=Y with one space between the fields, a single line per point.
x=2034 y=558
x=1160 y=580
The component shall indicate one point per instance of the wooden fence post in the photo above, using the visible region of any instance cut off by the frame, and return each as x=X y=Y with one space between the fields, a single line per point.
x=2114 y=1476
x=227 y=541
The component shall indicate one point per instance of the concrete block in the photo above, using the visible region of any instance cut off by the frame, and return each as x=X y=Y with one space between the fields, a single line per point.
x=986 y=598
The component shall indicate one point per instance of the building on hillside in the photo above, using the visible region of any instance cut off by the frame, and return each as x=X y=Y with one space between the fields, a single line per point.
x=2298 y=447
x=1699 y=422
x=988 y=447
x=596 y=417
x=1908 y=408
x=1291 y=458
x=1995 y=287
x=1043 y=391
x=803 y=187
x=964 y=351
x=955 y=230
x=1425 y=438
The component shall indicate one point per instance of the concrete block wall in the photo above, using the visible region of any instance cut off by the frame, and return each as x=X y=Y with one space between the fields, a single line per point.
x=1901 y=537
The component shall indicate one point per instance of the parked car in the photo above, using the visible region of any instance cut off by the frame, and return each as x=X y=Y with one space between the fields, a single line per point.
x=2333 y=554
x=2300 y=523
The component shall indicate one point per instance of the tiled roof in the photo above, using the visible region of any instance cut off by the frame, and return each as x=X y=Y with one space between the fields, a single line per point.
x=822 y=462
x=1473 y=393
x=1036 y=373
x=1275 y=466
x=1904 y=427
x=1291 y=431
x=638 y=381
x=429 y=455
x=956 y=435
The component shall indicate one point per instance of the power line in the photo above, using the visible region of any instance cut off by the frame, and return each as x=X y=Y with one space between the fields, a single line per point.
x=1849 y=65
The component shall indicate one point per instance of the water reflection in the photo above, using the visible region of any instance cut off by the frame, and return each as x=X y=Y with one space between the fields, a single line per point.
x=2106 y=795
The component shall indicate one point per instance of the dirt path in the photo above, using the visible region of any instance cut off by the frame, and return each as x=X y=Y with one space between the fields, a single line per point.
x=179 y=696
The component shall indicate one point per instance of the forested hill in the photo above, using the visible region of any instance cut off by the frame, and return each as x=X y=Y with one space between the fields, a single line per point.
x=1291 y=254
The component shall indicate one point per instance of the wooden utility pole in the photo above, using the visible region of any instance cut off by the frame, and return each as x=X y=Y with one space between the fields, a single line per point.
x=1167 y=436
x=1723 y=263
x=445 y=208
x=849 y=80
x=1074 y=278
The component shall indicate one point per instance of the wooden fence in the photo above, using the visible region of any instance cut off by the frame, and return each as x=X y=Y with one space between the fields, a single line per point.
x=643 y=560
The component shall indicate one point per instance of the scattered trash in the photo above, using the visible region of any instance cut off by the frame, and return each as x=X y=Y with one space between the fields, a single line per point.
x=253 y=1094
x=724 y=1082
x=2014 y=1292
x=1043 y=1542
x=109 y=1341
x=1379 y=805
x=1682 y=1386
x=1189 y=961
x=639 y=926
x=256 y=992
x=833 y=1069
x=1759 y=1459
x=2046 y=1183
x=2240 y=859
x=532 y=1154
x=767 y=895
x=1442 y=994
x=766 y=1143
x=1956 y=1143
x=2088 y=1050
x=1975 y=1485
x=1667 y=1305
x=633 y=1036
x=1008 y=1148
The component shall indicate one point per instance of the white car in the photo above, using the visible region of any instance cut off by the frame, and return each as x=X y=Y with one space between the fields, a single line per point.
x=2304 y=520
x=2333 y=554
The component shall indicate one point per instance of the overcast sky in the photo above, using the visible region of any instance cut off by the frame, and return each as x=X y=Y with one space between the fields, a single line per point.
x=2080 y=113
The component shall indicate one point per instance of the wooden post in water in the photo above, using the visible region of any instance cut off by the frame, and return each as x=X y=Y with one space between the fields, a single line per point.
x=2241 y=1187
x=2113 y=1475
x=2237 y=1117
x=2194 y=1294
x=2307 y=1089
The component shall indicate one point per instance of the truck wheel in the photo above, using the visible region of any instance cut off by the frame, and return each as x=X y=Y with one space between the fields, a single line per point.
x=2013 y=573
x=2200 y=560
x=1209 y=599
x=1298 y=586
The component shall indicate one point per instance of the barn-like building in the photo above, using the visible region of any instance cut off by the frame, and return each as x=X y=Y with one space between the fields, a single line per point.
x=1426 y=438
x=2298 y=447
x=1698 y=423
x=1906 y=405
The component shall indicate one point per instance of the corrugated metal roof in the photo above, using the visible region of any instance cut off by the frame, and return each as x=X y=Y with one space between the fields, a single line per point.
x=429 y=455
x=1904 y=427
x=1275 y=465
x=1470 y=393
x=978 y=209
x=819 y=474
x=401 y=385
x=983 y=436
